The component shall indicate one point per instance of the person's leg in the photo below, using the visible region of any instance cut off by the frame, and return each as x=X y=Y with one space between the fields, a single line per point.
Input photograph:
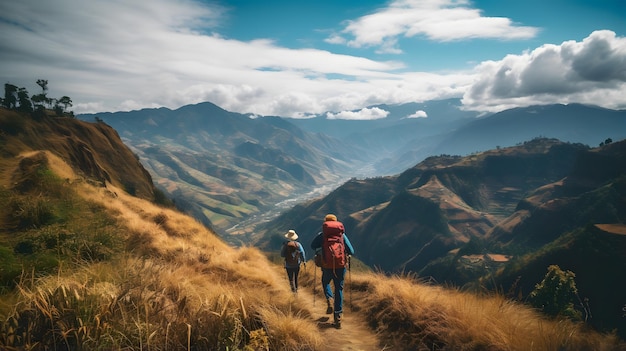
x=296 y=272
x=327 y=275
x=338 y=279
x=291 y=274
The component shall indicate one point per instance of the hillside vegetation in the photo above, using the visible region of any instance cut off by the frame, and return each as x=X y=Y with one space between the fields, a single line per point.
x=87 y=265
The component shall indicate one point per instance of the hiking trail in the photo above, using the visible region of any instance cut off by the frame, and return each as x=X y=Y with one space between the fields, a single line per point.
x=354 y=334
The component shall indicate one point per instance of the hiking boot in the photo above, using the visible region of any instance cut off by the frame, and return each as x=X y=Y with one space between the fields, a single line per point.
x=338 y=320
x=329 y=306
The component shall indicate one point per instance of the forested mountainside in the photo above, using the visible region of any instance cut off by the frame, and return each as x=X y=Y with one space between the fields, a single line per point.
x=482 y=219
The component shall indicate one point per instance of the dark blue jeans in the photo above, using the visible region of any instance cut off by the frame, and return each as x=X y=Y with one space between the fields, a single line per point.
x=292 y=274
x=337 y=276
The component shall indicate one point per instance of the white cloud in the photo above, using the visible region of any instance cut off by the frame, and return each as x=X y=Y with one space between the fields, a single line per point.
x=335 y=39
x=127 y=55
x=418 y=114
x=592 y=71
x=113 y=55
x=362 y=114
x=440 y=20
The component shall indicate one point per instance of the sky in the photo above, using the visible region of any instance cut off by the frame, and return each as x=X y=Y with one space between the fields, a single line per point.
x=299 y=58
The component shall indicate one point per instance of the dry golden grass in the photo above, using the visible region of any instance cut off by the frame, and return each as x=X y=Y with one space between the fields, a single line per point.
x=292 y=331
x=415 y=316
x=178 y=286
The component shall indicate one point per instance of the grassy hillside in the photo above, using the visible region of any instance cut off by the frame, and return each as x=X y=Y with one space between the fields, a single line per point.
x=413 y=315
x=97 y=268
x=87 y=265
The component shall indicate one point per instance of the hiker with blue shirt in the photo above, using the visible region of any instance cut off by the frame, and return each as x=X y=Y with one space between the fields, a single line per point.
x=294 y=255
x=335 y=249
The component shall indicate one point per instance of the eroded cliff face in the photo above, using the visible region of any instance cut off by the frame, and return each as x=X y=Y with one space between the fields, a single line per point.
x=94 y=151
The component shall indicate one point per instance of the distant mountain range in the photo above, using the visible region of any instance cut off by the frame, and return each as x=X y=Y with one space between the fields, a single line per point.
x=400 y=141
x=230 y=170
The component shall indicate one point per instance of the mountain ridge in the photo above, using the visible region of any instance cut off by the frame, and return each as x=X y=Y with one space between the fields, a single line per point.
x=96 y=149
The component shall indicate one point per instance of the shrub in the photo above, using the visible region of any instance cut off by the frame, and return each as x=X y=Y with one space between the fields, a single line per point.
x=10 y=268
x=556 y=294
x=30 y=212
x=161 y=199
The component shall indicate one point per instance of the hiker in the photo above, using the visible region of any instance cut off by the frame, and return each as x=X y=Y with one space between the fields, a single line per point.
x=335 y=253
x=294 y=255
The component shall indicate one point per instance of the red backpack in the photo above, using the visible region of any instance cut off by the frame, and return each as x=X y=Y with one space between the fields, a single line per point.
x=333 y=247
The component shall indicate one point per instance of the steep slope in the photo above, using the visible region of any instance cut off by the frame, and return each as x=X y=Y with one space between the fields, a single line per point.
x=94 y=149
x=114 y=271
x=595 y=254
x=225 y=167
x=576 y=223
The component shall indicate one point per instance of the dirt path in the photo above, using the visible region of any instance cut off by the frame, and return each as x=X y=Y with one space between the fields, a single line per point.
x=354 y=334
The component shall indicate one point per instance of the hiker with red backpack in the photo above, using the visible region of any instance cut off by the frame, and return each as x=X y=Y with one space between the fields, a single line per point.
x=334 y=249
x=294 y=255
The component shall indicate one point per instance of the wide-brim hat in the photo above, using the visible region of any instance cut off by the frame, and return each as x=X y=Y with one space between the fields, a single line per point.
x=291 y=235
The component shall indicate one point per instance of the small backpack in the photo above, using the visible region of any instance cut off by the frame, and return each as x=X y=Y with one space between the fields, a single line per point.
x=292 y=253
x=318 y=258
x=333 y=246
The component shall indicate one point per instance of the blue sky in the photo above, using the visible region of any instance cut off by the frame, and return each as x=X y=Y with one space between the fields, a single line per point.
x=296 y=58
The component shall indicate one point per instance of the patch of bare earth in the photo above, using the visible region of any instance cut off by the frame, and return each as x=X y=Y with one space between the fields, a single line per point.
x=615 y=228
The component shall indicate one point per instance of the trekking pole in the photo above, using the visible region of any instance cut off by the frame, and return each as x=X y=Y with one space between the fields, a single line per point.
x=314 y=284
x=350 y=280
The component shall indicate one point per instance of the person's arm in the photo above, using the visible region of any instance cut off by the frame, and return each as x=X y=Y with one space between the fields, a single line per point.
x=349 y=248
x=302 y=253
x=317 y=242
x=282 y=250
